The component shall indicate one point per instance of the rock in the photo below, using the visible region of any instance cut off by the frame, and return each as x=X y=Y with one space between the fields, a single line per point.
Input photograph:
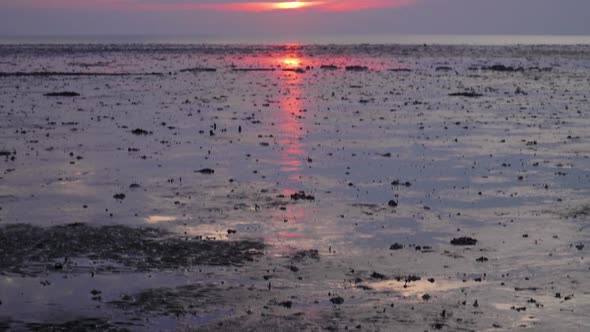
x=198 y=70
x=356 y=68
x=301 y=195
x=329 y=67
x=119 y=196
x=286 y=304
x=205 y=171
x=392 y=203
x=468 y=94
x=463 y=241
x=503 y=68
x=337 y=300
x=482 y=259
x=396 y=246
x=426 y=297
x=377 y=275
x=139 y=131
x=62 y=94
x=134 y=186
x=443 y=68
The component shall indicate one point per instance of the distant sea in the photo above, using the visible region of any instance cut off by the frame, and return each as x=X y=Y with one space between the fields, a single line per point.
x=402 y=39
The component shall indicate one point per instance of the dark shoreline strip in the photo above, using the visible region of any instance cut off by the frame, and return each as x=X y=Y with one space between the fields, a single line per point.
x=48 y=73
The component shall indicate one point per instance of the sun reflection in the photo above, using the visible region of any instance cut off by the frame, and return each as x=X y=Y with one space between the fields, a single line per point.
x=292 y=62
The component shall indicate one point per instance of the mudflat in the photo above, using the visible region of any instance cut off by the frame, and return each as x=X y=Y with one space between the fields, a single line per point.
x=294 y=187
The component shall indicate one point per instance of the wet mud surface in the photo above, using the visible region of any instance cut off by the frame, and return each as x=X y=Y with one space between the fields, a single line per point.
x=294 y=188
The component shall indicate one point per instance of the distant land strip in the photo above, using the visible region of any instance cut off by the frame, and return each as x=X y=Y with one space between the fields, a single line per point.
x=50 y=73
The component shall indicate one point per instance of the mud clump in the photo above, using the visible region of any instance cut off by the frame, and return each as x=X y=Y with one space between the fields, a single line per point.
x=84 y=324
x=337 y=300
x=198 y=70
x=30 y=250
x=468 y=94
x=306 y=254
x=206 y=171
x=140 y=132
x=356 y=68
x=302 y=196
x=62 y=94
x=503 y=68
x=119 y=197
x=396 y=246
x=464 y=241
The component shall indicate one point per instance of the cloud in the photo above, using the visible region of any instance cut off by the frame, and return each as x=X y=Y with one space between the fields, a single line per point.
x=204 y=5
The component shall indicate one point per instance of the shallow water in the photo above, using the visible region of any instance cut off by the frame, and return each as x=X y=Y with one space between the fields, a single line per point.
x=510 y=168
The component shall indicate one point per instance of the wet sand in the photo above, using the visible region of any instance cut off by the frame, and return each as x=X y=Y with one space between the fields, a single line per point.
x=266 y=188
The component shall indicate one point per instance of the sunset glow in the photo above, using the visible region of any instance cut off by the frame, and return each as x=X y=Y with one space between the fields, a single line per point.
x=295 y=4
x=196 y=5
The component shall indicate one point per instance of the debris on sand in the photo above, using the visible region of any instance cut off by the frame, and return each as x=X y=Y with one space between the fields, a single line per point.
x=399 y=183
x=306 y=254
x=302 y=196
x=198 y=70
x=62 y=94
x=30 y=250
x=337 y=300
x=468 y=94
x=356 y=68
x=205 y=171
x=396 y=246
x=377 y=275
x=139 y=132
x=503 y=68
x=329 y=67
x=463 y=241
x=119 y=196
x=400 y=70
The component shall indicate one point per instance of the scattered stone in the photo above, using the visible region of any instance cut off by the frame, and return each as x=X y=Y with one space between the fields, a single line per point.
x=62 y=94
x=286 y=304
x=377 y=275
x=198 y=70
x=503 y=68
x=119 y=196
x=139 y=132
x=337 y=300
x=302 y=196
x=468 y=94
x=356 y=68
x=463 y=241
x=329 y=67
x=396 y=246
x=205 y=171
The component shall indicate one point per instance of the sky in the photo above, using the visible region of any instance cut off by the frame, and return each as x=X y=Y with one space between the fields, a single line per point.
x=260 y=17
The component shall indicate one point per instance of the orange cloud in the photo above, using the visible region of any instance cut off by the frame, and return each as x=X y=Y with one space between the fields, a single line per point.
x=155 y=5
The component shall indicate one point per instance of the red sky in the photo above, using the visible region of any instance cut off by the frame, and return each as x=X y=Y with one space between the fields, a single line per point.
x=309 y=17
x=201 y=5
